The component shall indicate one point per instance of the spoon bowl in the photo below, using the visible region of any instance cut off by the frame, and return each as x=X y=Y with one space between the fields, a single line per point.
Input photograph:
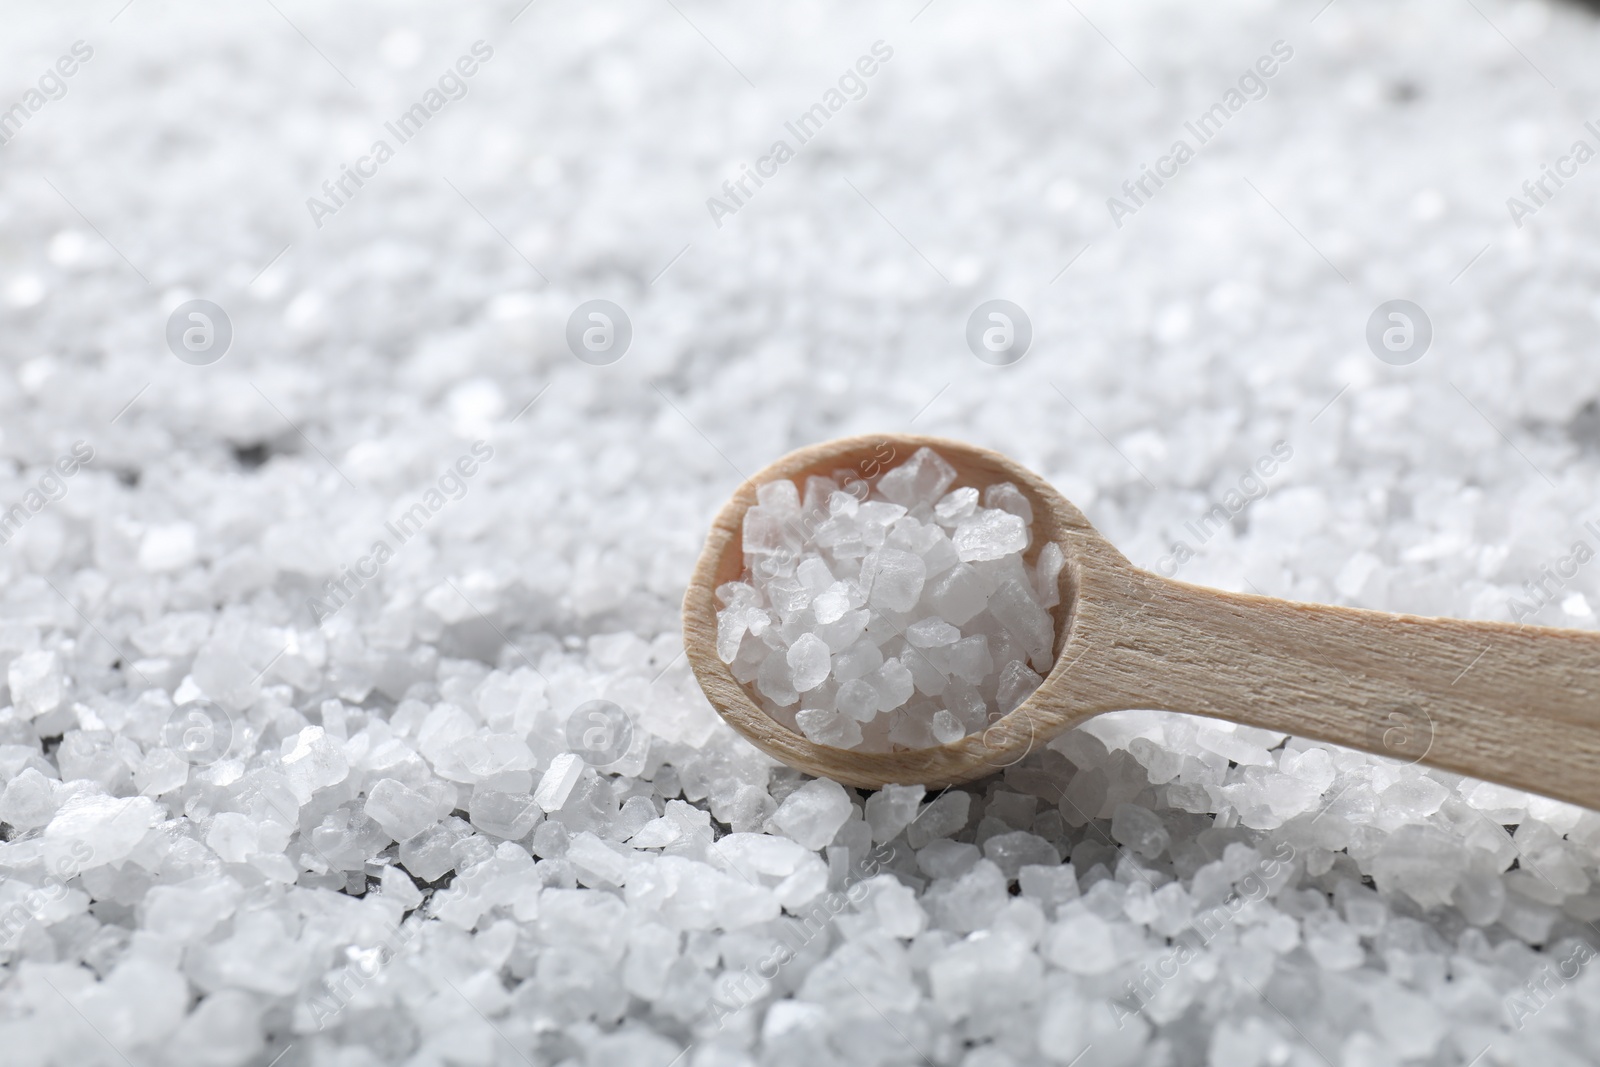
x=1515 y=704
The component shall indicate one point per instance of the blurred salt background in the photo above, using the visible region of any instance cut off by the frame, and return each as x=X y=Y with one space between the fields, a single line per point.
x=405 y=833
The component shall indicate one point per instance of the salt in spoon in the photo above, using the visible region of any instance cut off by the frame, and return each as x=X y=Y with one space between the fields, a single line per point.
x=1507 y=703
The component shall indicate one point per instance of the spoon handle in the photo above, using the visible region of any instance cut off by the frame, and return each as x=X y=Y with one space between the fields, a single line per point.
x=1518 y=705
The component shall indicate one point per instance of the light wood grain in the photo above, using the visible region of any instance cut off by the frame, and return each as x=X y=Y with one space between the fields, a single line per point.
x=1519 y=705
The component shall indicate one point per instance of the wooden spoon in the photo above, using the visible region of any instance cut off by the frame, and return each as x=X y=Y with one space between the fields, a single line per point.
x=1519 y=705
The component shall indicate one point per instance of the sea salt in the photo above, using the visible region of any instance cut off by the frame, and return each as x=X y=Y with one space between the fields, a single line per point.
x=809 y=662
x=37 y=684
x=164 y=900
x=401 y=811
x=990 y=535
x=812 y=814
x=887 y=633
x=1081 y=942
x=1140 y=830
x=891 y=809
x=556 y=785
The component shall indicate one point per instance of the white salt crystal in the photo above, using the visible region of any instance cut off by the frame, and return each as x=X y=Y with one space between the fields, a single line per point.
x=312 y=761
x=958 y=595
x=37 y=683
x=1047 y=575
x=787 y=596
x=880 y=514
x=859 y=660
x=1332 y=943
x=946 y=727
x=1225 y=740
x=400 y=810
x=1007 y=497
x=1413 y=799
x=1314 y=766
x=809 y=662
x=943 y=858
x=817 y=491
x=776 y=681
x=895 y=906
x=760 y=853
x=894 y=578
x=825 y=727
x=967 y=705
x=894 y=684
x=1363 y=908
x=939 y=557
x=188 y=910
x=932 y=633
x=399 y=888
x=918 y=538
x=222 y=674
x=943 y=816
x=1051 y=884
x=1504 y=804
x=233 y=836
x=90 y=831
x=732 y=625
x=990 y=534
x=224 y=1028
x=1080 y=942
x=738 y=595
x=1012 y=851
x=970 y=901
x=597 y=861
x=1556 y=814
x=831 y=604
x=1480 y=896
x=985 y=977
x=891 y=810
x=814 y=574
x=812 y=814
x=28 y=801
x=967 y=659
x=1420 y=861
x=430 y=855
x=168 y=547
x=1014 y=607
x=922 y=479
x=859 y=699
x=768 y=533
x=781 y=496
x=1287 y=797
x=557 y=782
x=842 y=634
x=926 y=675
x=508 y=815
x=1409 y=1022
x=912 y=729
x=1017 y=683
x=956 y=505
x=1140 y=829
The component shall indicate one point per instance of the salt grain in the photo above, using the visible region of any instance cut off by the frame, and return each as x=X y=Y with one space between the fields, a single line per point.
x=812 y=814
x=809 y=662
x=990 y=535
x=401 y=811
x=36 y=683
x=556 y=785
